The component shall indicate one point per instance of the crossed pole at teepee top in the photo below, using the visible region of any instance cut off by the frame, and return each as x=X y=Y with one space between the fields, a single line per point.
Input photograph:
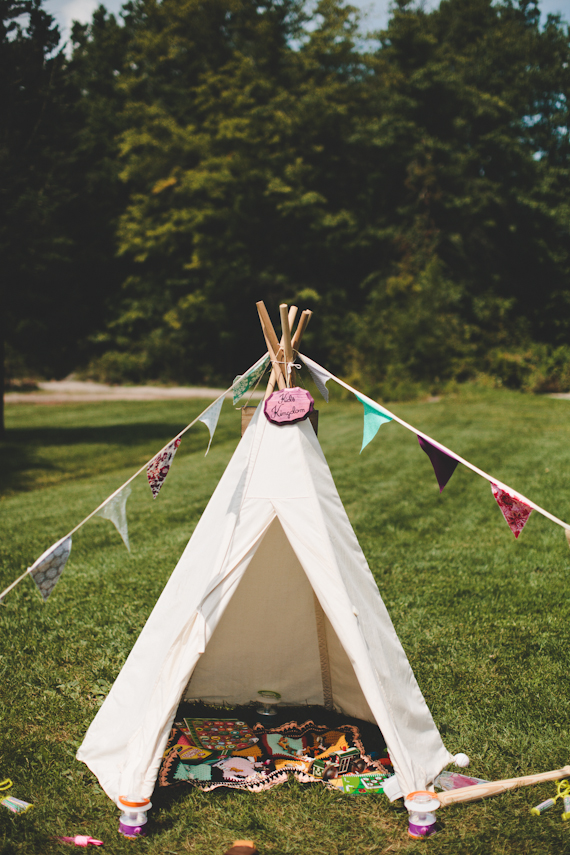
x=282 y=353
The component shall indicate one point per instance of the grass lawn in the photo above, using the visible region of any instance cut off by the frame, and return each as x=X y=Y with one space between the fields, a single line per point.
x=484 y=619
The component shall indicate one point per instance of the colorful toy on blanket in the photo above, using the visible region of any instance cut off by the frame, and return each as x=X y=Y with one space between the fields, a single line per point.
x=338 y=764
x=361 y=785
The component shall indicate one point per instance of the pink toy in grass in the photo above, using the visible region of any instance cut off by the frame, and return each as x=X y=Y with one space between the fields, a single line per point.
x=81 y=840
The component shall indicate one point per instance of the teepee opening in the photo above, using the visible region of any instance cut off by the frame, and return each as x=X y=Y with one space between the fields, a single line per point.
x=274 y=635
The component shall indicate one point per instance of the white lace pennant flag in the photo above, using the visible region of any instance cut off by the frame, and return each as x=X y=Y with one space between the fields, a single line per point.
x=159 y=467
x=210 y=419
x=116 y=511
x=49 y=566
x=320 y=376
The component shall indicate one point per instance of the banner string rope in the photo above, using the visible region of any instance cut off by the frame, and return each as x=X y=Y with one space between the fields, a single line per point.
x=362 y=397
x=128 y=481
x=514 y=493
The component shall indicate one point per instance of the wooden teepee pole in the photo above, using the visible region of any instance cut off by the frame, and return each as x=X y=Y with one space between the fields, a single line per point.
x=286 y=339
x=272 y=343
x=273 y=376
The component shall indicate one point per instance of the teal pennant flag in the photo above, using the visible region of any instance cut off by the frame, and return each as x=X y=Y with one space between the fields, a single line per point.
x=374 y=416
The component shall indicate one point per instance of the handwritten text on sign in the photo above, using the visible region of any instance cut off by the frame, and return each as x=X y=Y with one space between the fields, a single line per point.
x=288 y=406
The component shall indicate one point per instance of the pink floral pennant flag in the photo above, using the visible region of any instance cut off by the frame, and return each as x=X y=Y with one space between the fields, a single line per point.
x=48 y=568
x=515 y=512
x=159 y=467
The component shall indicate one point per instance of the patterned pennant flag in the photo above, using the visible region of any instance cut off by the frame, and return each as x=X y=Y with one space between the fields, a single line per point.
x=244 y=382
x=443 y=465
x=159 y=467
x=320 y=376
x=515 y=512
x=116 y=511
x=374 y=416
x=48 y=568
x=210 y=418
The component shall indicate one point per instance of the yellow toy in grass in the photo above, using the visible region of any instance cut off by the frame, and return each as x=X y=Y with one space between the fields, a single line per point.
x=562 y=792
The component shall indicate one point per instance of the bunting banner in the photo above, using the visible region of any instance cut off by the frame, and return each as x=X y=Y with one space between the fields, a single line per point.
x=244 y=382
x=320 y=376
x=515 y=512
x=159 y=467
x=374 y=416
x=116 y=511
x=48 y=568
x=210 y=418
x=443 y=465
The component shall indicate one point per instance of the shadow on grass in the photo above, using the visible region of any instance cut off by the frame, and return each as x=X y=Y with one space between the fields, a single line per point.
x=33 y=457
x=118 y=434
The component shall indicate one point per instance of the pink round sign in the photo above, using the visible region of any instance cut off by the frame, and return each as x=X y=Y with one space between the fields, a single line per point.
x=288 y=406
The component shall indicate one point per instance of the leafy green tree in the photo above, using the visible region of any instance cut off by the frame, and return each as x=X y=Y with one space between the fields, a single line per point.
x=198 y=155
x=473 y=115
x=239 y=173
x=30 y=67
x=61 y=193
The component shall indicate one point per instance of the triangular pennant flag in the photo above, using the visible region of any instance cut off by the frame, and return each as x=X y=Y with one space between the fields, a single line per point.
x=443 y=464
x=210 y=418
x=48 y=568
x=159 y=467
x=116 y=511
x=320 y=376
x=374 y=416
x=244 y=382
x=515 y=512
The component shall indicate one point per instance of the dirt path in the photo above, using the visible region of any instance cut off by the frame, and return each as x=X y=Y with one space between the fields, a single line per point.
x=77 y=391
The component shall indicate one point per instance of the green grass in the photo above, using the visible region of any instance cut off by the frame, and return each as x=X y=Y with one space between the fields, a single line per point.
x=483 y=618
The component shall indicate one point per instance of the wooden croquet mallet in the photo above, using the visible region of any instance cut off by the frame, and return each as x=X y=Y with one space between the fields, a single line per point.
x=481 y=791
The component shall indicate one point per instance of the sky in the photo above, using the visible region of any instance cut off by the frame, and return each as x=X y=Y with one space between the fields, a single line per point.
x=66 y=11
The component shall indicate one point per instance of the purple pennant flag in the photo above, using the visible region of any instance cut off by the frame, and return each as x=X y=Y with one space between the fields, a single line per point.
x=443 y=464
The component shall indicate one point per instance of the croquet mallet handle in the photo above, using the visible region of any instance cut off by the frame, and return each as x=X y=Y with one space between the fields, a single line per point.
x=481 y=791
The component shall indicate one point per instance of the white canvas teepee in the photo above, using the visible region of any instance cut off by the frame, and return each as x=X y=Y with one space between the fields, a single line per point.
x=272 y=592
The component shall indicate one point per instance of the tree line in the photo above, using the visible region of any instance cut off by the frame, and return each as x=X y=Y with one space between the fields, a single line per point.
x=176 y=164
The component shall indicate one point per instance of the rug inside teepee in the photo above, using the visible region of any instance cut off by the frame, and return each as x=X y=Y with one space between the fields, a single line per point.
x=231 y=747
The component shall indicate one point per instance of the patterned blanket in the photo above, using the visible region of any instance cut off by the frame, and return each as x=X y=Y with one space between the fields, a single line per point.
x=226 y=752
